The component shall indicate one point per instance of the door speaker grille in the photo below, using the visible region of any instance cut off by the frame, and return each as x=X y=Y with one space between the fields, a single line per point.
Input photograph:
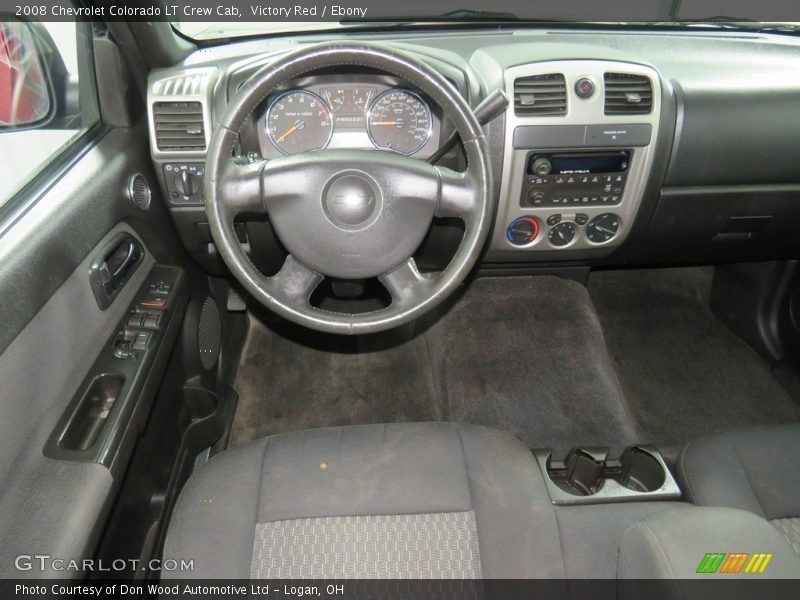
x=209 y=333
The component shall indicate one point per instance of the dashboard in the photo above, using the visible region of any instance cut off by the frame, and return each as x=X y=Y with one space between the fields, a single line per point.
x=356 y=111
x=617 y=149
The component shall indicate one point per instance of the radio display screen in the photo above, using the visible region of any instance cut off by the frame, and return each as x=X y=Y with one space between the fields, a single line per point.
x=615 y=162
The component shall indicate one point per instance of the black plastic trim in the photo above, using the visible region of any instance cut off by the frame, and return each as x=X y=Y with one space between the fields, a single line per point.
x=140 y=375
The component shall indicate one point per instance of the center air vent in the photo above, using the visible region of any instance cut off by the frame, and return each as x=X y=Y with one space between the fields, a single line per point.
x=628 y=94
x=540 y=95
x=179 y=126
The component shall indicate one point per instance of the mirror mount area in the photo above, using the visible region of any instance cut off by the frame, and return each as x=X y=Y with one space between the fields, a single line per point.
x=28 y=98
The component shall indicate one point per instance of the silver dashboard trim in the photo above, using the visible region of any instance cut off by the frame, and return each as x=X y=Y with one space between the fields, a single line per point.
x=579 y=112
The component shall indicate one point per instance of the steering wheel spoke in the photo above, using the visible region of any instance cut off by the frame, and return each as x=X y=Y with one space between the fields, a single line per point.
x=294 y=283
x=240 y=187
x=457 y=195
x=405 y=284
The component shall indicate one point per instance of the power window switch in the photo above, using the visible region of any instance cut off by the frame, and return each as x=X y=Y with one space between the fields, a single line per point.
x=151 y=321
x=135 y=320
x=141 y=341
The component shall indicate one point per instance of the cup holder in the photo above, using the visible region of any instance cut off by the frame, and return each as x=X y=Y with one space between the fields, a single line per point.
x=589 y=475
x=580 y=474
x=640 y=471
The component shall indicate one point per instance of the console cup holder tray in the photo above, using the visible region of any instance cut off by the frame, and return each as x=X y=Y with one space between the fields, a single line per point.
x=591 y=476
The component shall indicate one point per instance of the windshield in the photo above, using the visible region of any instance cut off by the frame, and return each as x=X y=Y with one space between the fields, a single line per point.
x=286 y=17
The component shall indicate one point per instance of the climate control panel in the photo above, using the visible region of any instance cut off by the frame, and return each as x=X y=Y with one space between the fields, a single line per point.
x=564 y=230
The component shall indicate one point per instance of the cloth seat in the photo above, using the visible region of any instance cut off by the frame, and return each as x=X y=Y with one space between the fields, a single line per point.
x=755 y=469
x=690 y=543
x=410 y=500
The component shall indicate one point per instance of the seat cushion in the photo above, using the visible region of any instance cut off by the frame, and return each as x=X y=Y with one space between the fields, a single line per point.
x=411 y=500
x=692 y=542
x=753 y=469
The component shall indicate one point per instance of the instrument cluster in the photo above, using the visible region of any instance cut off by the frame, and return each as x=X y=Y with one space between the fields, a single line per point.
x=371 y=115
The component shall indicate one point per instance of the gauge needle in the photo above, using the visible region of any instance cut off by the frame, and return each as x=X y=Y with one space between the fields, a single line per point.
x=291 y=130
x=385 y=122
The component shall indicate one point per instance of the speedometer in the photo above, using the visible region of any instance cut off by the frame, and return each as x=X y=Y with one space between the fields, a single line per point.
x=299 y=121
x=399 y=120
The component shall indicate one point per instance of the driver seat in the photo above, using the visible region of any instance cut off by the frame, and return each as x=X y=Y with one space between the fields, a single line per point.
x=406 y=500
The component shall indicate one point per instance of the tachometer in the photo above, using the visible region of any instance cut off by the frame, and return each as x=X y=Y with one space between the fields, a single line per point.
x=399 y=120
x=299 y=121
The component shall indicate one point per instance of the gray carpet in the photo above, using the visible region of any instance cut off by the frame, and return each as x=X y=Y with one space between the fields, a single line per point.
x=526 y=355
x=683 y=372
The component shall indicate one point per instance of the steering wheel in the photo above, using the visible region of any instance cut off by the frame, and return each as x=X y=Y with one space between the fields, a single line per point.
x=347 y=213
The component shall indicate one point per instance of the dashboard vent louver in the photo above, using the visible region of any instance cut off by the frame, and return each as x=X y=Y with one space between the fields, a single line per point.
x=540 y=96
x=628 y=94
x=139 y=191
x=179 y=126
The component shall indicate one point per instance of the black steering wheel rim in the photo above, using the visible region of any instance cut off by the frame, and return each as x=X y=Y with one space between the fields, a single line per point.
x=235 y=187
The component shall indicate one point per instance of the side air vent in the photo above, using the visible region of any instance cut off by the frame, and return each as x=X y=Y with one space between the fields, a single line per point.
x=540 y=96
x=139 y=191
x=628 y=94
x=182 y=85
x=179 y=126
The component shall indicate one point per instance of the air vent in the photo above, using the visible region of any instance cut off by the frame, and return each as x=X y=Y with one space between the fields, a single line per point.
x=179 y=126
x=180 y=86
x=540 y=96
x=139 y=191
x=628 y=94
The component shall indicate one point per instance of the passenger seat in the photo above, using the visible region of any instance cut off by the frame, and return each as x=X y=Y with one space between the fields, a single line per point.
x=757 y=470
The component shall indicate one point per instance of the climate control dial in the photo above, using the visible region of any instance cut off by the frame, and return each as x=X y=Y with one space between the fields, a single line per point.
x=602 y=228
x=562 y=234
x=523 y=230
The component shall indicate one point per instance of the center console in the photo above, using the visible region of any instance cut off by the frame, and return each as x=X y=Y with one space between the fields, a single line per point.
x=579 y=149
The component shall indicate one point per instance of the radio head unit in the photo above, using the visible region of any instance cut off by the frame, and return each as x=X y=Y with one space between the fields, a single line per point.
x=574 y=178
x=578 y=163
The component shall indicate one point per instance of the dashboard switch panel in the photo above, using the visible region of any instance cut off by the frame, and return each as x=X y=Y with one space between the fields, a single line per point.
x=184 y=182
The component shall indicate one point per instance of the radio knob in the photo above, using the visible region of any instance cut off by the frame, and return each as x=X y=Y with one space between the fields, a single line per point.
x=536 y=197
x=542 y=167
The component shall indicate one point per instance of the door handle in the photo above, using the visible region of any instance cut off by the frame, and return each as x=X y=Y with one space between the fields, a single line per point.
x=130 y=255
x=113 y=267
